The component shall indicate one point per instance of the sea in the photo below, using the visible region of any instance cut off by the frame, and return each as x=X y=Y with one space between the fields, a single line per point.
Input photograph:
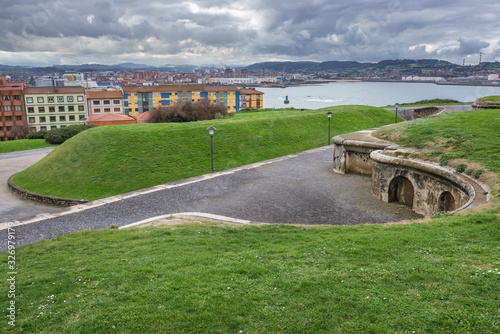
x=377 y=94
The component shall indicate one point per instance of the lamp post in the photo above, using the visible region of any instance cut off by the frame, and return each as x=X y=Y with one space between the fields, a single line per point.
x=84 y=120
x=397 y=105
x=329 y=121
x=211 y=133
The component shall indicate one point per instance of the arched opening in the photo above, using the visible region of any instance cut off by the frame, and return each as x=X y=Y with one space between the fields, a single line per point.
x=401 y=191
x=446 y=202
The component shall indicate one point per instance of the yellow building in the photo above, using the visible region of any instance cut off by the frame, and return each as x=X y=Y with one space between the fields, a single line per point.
x=139 y=99
x=249 y=98
x=49 y=108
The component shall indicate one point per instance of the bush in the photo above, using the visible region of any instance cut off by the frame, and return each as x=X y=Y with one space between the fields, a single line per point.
x=461 y=168
x=189 y=112
x=37 y=135
x=469 y=171
x=478 y=173
x=60 y=135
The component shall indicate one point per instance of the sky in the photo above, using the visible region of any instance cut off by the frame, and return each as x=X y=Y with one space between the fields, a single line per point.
x=243 y=32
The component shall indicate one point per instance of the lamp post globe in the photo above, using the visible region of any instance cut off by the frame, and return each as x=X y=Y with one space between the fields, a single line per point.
x=211 y=131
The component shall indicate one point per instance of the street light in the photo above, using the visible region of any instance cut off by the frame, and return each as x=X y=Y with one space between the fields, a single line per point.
x=83 y=119
x=397 y=105
x=329 y=121
x=211 y=133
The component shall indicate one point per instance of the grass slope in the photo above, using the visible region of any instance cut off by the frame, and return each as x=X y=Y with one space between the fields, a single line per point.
x=106 y=161
x=22 y=145
x=439 y=277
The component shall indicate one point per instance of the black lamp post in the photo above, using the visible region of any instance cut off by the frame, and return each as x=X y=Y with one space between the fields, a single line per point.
x=211 y=132
x=329 y=121
x=397 y=105
x=84 y=120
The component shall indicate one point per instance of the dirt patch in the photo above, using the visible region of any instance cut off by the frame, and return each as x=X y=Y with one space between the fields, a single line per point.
x=183 y=220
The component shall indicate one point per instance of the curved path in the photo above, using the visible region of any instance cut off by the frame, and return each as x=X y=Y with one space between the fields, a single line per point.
x=297 y=189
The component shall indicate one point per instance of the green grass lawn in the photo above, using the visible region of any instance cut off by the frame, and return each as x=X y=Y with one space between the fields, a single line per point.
x=22 y=145
x=106 y=161
x=490 y=99
x=437 y=277
x=433 y=102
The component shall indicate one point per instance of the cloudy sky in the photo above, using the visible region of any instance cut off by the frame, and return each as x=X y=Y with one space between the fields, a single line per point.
x=234 y=32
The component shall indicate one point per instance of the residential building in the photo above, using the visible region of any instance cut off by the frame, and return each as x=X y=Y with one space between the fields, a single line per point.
x=249 y=98
x=49 y=108
x=104 y=102
x=12 y=117
x=224 y=95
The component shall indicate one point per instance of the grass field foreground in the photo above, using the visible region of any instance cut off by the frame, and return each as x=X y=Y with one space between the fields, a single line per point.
x=22 y=145
x=438 y=277
x=107 y=161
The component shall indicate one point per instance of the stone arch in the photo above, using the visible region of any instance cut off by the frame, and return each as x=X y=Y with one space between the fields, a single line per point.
x=401 y=190
x=446 y=202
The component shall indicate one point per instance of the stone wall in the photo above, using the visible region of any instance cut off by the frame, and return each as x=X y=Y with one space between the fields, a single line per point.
x=424 y=187
x=42 y=198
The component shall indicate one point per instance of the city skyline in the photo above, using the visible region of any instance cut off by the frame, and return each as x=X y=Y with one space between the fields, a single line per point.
x=204 y=32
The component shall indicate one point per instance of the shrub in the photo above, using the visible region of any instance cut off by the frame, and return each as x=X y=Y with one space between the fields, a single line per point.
x=461 y=168
x=469 y=171
x=37 y=135
x=189 y=112
x=60 y=135
x=444 y=160
x=478 y=173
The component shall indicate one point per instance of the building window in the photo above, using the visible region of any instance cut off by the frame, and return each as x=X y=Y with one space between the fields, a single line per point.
x=19 y=118
x=136 y=109
x=107 y=109
x=7 y=108
x=31 y=109
x=42 y=119
x=6 y=98
x=63 y=126
x=96 y=103
x=17 y=97
x=71 y=117
x=71 y=108
x=80 y=108
x=116 y=101
x=9 y=128
x=29 y=100
x=8 y=118
x=17 y=108
x=50 y=99
x=70 y=98
x=97 y=110
x=61 y=109
x=106 y=102
x=80 y=98
x=43 y=128
x=52 y=109
x=62 y=118
x=60 y=99
x=117 y=110
x=53 y=127
x=41 y=109
x=40 y=99
x=52 y=118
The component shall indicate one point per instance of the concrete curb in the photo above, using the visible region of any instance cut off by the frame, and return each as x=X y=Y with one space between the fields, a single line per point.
x=195 y=214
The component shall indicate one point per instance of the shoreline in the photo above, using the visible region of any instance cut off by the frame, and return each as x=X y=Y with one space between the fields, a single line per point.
x=317 y=82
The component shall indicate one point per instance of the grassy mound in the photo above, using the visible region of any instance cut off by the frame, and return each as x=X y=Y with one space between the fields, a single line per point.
x=106 y=161
x=489 y=100
x=440 y=277
x=22 y=145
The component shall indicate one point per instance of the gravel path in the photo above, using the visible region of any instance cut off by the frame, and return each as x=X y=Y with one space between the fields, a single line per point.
x=299 y=189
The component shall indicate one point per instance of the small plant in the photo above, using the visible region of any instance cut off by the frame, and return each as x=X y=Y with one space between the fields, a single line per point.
x=37 y=135
x=444 y=160
x=461 y=168
x=469 y=171
x=478 y=173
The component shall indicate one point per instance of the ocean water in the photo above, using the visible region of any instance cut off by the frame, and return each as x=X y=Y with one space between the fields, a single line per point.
x=376 y=94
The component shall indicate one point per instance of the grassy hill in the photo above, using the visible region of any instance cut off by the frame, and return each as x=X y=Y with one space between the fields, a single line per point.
x=22 y=145
x=106 y=161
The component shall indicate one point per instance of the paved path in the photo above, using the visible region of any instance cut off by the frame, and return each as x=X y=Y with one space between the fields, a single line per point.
x=298 y=189
x=13 y=207
x=405 y=113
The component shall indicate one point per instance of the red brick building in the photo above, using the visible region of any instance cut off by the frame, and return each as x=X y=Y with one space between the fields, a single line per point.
x=12 y=116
